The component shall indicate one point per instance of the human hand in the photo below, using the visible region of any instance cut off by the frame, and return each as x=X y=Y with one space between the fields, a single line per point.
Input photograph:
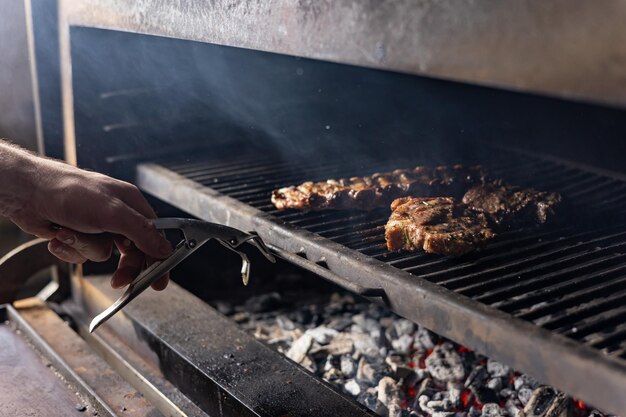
x=94 y=212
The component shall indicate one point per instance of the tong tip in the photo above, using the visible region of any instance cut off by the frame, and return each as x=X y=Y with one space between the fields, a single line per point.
x=95 y=323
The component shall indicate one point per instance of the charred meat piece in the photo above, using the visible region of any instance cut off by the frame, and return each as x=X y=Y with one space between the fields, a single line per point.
x=378 y=190
x=508 y=205
x=437 y=225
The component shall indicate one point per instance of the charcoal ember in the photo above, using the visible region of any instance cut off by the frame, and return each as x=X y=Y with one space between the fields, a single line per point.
x=495 y=384
x=352 y=387
x=438 y=396
x=513 y=408
x=506 y=393
x=298 y=351
x=454 y=393
x=333 y=374
x=492 y=410
x=339 y=323
x=474 y=412
x=397 y=365
x=301 y=316
x=444 y=363
x=342 y=344
x=524 y=394
x=414 y=377
x=496 y=369
x=329 y=363
x=308 y=364
x=596 y=413
x=404 y=327
x=427 y=388
x=423 y=339
x=264 y=302
x=485 y=395
x=322 y=334
x=366 y=324
x=285 y=322
x=348 y=367
x=370 y=371
x=405 y=373
x=241 y=317
x=525 y=380
x=364 y=344
x=476 y=378
x=390 y=395
x=547 y=402
x=365 y=373
x=402 y=344
x=369 y=398
x=435 y=407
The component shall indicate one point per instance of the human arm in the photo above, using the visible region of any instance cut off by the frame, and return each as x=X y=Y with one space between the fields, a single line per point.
x=94 y=212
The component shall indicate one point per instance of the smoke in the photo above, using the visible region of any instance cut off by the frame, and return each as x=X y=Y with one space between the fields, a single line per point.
x=147 y=96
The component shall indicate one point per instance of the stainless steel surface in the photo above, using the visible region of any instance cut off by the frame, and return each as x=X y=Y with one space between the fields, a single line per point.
x=568 y=48
x=23 y=378
x=195 y=234
x=120 y=396
x=46 y=384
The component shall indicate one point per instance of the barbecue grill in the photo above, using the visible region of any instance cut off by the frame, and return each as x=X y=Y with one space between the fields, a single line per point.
x=207 y=110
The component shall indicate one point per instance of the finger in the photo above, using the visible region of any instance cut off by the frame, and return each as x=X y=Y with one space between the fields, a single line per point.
x=121 y=219
x=130 y=264
x=65 y=253
x=161 y=283
x=33 y=226
x=96 y=248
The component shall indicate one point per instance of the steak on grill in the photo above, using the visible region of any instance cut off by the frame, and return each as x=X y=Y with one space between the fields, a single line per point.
x=437 y=225
x=378 y=190
x=508 y=205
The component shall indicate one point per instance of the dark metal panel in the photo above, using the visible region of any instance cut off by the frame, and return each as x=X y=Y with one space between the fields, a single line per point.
x=224 y=370
x=568 y=48
x=581 y=371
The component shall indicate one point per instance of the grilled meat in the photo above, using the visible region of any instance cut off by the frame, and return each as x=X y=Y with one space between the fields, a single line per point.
x=437 y=225
x=507 y=205
x=378 y=190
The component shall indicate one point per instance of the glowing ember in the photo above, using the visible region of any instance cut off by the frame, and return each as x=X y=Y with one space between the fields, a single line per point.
x=466 y=396
x=380 y=360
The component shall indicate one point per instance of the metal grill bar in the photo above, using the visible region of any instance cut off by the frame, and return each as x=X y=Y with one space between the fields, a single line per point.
x=566 y=281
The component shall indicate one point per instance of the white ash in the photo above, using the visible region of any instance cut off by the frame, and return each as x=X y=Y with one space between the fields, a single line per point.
x=496 y=369
x=444 y=364
x=352 y=387
x=389 y=364
x=298 y=350
x=492 y=410
x=322 y=335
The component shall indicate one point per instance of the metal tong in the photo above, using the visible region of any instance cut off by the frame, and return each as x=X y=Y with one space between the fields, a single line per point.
x=195 y=234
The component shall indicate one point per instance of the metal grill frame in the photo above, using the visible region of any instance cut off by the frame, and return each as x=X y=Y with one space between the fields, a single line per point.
x=552 y=358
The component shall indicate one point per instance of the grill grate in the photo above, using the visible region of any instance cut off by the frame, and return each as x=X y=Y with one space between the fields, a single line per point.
x=563 y=278
x=568 y=278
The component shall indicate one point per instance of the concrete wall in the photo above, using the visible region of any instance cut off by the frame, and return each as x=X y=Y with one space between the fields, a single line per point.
x=17 y=118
